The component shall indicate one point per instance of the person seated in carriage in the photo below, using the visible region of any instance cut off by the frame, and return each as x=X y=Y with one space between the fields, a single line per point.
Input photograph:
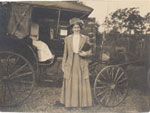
x=44 y=53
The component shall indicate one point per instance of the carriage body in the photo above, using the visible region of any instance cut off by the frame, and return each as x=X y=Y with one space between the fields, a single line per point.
x=52 y=17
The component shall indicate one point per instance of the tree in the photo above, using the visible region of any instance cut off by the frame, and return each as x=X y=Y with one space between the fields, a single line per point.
x=147 y=23
x=125 y=21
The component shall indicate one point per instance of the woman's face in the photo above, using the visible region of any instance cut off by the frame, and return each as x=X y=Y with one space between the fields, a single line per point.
x=76 y=28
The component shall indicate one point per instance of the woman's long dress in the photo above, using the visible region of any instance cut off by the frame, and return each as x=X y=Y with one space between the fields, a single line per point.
x=76 y=91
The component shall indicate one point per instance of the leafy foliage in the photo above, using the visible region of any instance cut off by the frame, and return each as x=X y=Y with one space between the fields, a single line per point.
x=126 y=28
x=126 y=21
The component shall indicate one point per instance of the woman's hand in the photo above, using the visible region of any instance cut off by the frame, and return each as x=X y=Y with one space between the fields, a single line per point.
x=82 y=53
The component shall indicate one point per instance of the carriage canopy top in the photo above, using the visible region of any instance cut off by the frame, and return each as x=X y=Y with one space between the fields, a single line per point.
x=70 y=5
x=20 y=14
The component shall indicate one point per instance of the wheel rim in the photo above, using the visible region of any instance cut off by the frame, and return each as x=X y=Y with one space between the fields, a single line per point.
x=17 y=78
x=110 y=87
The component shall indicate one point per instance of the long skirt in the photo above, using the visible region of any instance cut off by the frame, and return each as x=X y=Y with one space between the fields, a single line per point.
x=44 y=53
x=76 y=91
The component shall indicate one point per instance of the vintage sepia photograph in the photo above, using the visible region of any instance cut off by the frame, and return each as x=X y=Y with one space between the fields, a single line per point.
x=75 y=56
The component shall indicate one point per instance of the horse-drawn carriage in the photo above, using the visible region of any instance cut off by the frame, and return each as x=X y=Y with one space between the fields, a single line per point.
x=19 y=65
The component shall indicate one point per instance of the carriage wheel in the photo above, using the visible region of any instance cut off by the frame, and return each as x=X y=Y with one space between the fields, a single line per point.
x=17 y=78
x=110 y=87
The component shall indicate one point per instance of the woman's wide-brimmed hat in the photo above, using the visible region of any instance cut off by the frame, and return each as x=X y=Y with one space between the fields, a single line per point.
x=75 y=20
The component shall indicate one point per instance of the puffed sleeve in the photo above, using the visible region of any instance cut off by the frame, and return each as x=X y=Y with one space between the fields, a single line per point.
x=65 y=54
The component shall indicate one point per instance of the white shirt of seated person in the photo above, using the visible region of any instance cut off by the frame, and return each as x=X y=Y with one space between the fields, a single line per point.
x=44 y=53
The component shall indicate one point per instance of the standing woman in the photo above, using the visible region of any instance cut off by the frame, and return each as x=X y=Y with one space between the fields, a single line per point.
x=76 y=90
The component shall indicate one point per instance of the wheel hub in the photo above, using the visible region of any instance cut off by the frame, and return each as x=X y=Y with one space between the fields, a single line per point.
x=112 y=86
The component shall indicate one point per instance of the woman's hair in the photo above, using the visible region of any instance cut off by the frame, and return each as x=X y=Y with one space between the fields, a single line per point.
x=78 y=23
x=71 y=26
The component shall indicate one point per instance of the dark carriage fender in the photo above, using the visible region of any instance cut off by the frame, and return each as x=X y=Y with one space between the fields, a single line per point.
x=22 y=47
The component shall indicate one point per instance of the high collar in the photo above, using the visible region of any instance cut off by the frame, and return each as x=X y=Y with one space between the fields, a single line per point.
x=76 y=36
x=81 y=41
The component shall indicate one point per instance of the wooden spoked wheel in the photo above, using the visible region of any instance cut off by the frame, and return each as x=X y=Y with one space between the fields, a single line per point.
x=17 y=78
x=110 y=87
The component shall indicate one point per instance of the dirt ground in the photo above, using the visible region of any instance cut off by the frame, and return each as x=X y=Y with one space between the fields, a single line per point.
x=45 y=95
